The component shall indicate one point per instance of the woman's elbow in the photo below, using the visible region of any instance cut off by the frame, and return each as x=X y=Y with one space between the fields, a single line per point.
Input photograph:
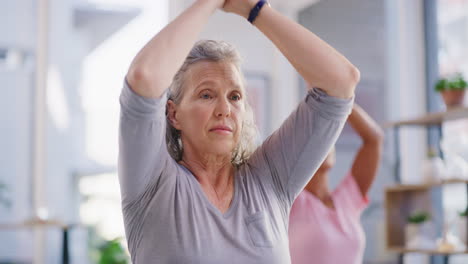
x=377 y=137
x=354 y=76
x=144 y=82
x=349 y=80
x=137 y=74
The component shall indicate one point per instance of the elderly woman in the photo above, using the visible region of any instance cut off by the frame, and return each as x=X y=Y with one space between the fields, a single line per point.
x=321 y=220
x=193 y=190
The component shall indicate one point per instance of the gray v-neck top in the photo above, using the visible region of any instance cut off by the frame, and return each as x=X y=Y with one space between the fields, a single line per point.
x=168 y=218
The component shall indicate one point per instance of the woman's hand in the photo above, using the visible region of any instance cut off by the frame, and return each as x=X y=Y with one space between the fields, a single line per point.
x=239 y=7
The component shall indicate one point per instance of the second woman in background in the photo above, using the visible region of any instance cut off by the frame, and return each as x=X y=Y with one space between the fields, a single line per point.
x=324 y=225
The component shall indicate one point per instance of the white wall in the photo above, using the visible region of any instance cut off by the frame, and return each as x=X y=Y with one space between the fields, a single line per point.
x=65 y=152
x=15 y=170
x=20 y=15
x=16 y=106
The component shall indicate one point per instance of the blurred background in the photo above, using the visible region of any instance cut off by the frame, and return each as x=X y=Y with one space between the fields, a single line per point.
x=63 y=62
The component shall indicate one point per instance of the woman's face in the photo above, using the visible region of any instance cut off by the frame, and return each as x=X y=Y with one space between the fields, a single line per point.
x=211 y=111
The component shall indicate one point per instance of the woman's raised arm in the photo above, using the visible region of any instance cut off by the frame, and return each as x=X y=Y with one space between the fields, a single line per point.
x=153 y=68
x=367 y=160
x=317 y=62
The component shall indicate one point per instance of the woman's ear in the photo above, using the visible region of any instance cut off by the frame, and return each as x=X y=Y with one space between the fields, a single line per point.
x=171 y=114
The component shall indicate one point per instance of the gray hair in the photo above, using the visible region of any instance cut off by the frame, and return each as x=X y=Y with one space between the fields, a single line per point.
x=216 y=51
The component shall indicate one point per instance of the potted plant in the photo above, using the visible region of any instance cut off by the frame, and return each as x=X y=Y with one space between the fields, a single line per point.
x=105 y=251
x=452 y=90
x=112 y=252
x=414 y=228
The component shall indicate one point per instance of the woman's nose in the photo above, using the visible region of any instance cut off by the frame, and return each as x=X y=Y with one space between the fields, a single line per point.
x=223 y=108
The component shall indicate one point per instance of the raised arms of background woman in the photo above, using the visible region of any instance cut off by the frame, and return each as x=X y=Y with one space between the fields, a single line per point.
x=367 y=159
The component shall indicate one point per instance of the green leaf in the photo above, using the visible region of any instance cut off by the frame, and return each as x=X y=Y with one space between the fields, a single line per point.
x=456 y=82
x=418 y=217
x=442 y=84
x=112 y=253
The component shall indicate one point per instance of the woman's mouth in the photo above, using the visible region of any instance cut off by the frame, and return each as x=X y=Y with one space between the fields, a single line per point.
x=225 y=130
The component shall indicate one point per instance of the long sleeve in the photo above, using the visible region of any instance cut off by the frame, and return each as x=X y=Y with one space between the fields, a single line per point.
x=292 y=154
x=143 y=154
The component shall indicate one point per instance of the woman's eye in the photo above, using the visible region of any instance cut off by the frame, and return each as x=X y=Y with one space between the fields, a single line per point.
x=205 y=96
x=235 y=97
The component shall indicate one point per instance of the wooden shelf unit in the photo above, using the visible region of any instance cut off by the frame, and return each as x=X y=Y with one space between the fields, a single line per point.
x=429 y=252
x=432 y=119
x=399 y=205
x=402 y=200
x=409 y=187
